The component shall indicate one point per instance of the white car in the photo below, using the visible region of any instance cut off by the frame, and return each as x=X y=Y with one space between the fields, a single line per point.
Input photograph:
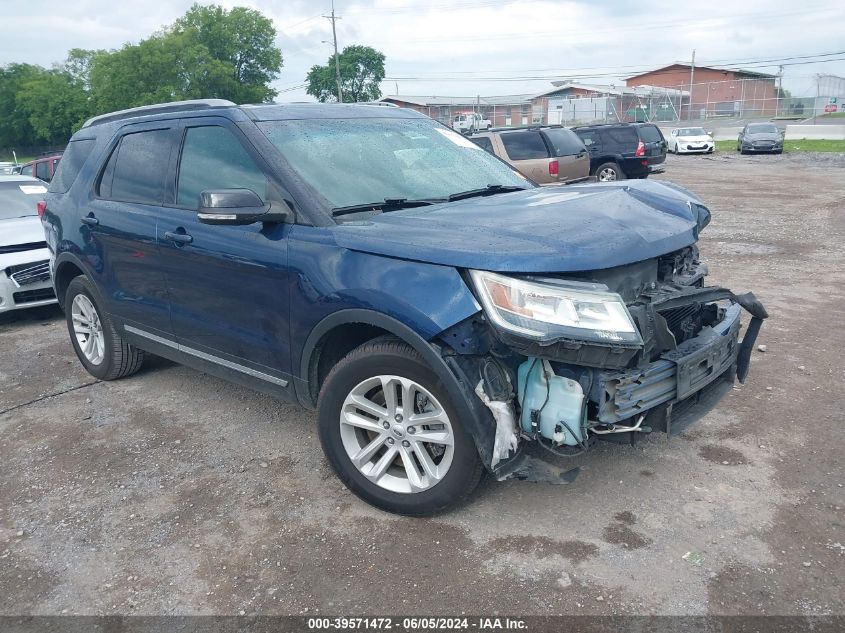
x=689 y=140
x=24 y=258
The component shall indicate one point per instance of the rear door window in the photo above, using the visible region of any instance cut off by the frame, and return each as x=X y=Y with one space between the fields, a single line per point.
x=213 y=158
x=527 y=145
x=564 y=142
x=137 y=168
x=623 y=139
x=67 y=169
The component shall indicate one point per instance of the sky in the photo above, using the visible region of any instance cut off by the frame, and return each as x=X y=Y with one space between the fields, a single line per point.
x=475 y=47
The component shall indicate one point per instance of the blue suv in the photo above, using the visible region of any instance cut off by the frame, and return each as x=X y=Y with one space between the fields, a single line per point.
x=444 y=315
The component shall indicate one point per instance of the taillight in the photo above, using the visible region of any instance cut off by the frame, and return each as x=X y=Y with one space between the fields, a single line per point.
x=640 y=149
x=554 y=168
x=42 y=207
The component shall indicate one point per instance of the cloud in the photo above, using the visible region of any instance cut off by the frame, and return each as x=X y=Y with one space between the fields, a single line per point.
x=466 y=47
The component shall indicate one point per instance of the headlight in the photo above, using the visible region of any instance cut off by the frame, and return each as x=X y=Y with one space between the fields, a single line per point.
x=545 y=311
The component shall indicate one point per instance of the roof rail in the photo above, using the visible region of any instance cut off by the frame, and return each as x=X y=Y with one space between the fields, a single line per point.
x=518 y=128
x=191 y=104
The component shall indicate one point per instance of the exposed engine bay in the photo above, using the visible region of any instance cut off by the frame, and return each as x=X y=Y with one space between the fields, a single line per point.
x=565 y=393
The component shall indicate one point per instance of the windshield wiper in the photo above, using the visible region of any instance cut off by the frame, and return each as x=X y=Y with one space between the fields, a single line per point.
x=389 y=204
x=489 y=190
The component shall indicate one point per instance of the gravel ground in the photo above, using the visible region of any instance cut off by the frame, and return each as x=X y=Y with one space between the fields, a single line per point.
x=172 y=492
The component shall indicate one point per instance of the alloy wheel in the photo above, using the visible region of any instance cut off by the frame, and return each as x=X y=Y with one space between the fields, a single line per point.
x=88 y=329
x=397 y=434
x=607 y=175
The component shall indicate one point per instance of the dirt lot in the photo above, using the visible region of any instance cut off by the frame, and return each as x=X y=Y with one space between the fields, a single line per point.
x=175 y=493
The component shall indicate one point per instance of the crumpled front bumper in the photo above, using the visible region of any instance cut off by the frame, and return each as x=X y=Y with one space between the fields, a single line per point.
x=674 y=377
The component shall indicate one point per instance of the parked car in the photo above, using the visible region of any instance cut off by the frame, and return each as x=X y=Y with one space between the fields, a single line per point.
x=440 y=311
x=24 y=258
x=7 y=168
x=623 y=150
x=469 y=122
x=691 y=140
x=42 y=168
x=760 y=137
x=546 y=154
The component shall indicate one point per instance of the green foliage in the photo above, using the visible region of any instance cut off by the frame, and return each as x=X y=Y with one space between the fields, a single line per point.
x=15 y=127
x=210 y=52
x=55 y=105
x=361 y=72
x=242 y=38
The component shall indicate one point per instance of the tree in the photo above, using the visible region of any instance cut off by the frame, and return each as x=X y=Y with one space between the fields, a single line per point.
x=15 y=128
x=361 y=72
x=245 y=40
x=55 y=104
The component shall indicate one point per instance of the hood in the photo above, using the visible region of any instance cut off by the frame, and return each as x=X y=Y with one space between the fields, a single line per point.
x=24 y=230
x=697 y=138
x=550 y=229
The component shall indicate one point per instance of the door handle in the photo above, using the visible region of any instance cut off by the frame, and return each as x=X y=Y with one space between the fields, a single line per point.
x=90 y=220
x=178 y=238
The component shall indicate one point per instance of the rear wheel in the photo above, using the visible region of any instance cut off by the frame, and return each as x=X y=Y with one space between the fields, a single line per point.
x=609 y=172
x=101 y=350
x=390 y=431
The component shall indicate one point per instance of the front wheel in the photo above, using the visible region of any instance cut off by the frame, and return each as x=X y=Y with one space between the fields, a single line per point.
x=101 y=350
x=676 y=148
x=609 y=172
x=390 y=431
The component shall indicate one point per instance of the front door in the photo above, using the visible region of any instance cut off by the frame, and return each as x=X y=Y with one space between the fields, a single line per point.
x=228 y=285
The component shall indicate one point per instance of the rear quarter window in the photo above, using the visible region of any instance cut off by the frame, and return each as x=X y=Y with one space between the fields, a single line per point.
x=564 y=142
x=76 y=153
x=650 y=134
x=484 y=143
x=524 y=145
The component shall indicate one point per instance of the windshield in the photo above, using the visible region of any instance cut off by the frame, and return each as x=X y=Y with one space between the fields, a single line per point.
x=762 y=128
x=359 y=161
x=19 y=198
x=692 y=131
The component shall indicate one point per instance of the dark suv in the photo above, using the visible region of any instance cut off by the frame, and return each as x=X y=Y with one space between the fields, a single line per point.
x=623 y=150
x=442 y=313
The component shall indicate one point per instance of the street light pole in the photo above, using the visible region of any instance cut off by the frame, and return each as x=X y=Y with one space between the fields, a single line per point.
x=334 y=19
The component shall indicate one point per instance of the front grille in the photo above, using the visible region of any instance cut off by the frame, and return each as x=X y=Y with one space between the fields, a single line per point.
x=31 y=296
x=19 y=248
x=30 y=273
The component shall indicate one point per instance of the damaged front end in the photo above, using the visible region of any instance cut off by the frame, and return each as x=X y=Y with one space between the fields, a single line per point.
x=566 y=360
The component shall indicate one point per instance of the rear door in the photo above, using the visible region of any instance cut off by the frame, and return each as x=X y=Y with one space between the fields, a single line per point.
x=526 y=150
x=228 y=285
x=118 y=225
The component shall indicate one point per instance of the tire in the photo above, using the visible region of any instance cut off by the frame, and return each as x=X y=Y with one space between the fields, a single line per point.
x=108 y=357
x=676 y=148
x=391 y=475
x=609 y=172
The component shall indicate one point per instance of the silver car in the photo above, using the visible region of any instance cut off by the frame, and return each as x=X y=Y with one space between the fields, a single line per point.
x=24 y=258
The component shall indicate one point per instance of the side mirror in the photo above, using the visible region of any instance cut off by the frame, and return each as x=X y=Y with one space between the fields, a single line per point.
x=239 y=207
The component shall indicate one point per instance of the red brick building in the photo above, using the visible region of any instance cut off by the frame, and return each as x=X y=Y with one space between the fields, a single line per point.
x=715 y=91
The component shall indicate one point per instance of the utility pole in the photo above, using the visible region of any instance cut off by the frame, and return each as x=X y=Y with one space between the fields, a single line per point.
x=334 y=19
x=691 y=78
x=779 y=95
